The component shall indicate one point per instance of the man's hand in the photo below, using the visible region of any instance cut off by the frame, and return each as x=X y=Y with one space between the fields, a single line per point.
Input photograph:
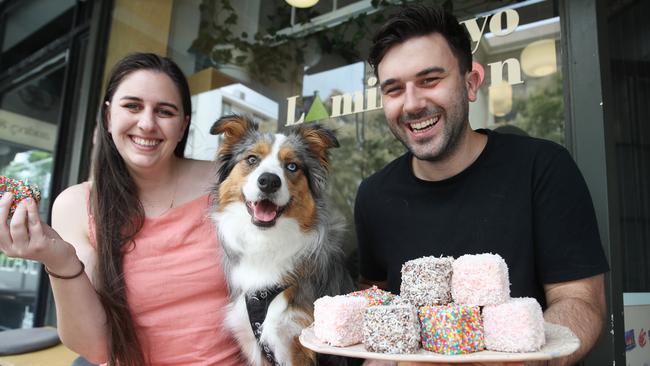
x=392 y=363
x=379 y=363
x=366 y=283
x=464 y=364
x=579 y=305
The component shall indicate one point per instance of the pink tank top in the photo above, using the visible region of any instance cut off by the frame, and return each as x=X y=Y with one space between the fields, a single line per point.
x=177 y=291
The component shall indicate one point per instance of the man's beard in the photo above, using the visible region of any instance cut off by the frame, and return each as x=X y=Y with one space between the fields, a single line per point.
x=455 y=126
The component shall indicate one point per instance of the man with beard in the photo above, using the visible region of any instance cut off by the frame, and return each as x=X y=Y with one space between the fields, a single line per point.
x=458 y=191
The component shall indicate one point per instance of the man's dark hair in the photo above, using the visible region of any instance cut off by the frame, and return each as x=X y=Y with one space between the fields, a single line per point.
x=416 y=20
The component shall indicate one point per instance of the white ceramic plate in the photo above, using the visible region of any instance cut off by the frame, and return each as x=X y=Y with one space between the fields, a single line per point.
x=560 y=341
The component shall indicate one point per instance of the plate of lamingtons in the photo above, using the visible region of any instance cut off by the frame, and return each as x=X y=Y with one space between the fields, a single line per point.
x=560 y=342
x=449 y=310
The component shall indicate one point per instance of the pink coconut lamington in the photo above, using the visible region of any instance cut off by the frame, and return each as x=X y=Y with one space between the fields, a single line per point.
x=338 y=319
x=480 y=279
x=375 y=296
x=514 y=326
x=451 y=329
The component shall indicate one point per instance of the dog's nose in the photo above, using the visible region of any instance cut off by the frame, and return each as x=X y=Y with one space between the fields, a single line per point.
x=268 y=182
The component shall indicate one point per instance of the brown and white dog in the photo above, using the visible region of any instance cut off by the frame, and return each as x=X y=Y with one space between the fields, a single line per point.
x=280 y=238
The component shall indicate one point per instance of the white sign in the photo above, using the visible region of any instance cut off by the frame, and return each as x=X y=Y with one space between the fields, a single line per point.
x=27 y=131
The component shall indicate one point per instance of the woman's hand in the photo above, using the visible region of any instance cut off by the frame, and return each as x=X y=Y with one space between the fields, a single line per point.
x=25 y=236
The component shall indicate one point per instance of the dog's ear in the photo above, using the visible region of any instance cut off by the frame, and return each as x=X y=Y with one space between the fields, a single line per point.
x=319 y=139
x=233 y=127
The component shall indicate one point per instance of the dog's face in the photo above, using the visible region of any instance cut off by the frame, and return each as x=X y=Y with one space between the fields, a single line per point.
x=275 y=176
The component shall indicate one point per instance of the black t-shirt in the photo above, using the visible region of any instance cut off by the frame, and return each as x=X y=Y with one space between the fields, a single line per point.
x=523 y=198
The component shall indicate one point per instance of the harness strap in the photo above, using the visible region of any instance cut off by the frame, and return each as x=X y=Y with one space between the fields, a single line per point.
x=257 y=306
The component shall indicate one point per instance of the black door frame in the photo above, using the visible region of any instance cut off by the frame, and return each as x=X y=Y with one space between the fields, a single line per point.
x=590 y=139
x=87 y=55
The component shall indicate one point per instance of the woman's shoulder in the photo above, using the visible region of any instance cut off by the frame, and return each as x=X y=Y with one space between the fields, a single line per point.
x=201 y=164
x=70 y=212
x=73 y=197
x=200 y=174
x=196 y=178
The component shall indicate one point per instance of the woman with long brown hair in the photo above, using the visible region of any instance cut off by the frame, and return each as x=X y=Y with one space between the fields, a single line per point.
x=135 y=267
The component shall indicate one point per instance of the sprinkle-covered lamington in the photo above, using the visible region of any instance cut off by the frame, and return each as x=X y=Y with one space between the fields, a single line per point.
x=451 y=329
x=338 y=319
x=391 y=329
x=375 y=296
x=20 y=190
x=426 y=280
x=514 y=326
x=480 y=279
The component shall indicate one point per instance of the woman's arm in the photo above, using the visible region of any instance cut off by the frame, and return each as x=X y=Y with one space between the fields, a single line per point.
x=81 y=318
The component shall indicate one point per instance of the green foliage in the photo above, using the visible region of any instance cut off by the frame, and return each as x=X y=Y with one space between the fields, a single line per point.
x=541 y=114
x=36 y=168
x=366 y=146
x=268 y=55
x=38 y=155
x=264 y=56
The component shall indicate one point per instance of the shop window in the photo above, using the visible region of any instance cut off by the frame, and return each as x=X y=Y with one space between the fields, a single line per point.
x=208 y=106
x=347 y=99
x=304 y=19
x=30 y=26
x=517 y=50
x=29 y=115
x=311 y=64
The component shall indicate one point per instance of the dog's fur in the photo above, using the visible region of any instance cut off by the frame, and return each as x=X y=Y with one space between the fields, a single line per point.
x=285 y=235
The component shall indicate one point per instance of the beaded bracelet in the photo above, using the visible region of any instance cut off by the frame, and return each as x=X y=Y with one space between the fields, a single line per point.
x=83 y=267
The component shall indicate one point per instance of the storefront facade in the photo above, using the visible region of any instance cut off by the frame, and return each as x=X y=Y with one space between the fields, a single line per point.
x=567 y=71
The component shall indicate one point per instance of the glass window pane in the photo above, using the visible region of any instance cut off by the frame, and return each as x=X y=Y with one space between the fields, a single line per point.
x=517 y=50
x=29 y=116
x=208 y=106
x=33 y=26
x=310 y=63
x=29 y=16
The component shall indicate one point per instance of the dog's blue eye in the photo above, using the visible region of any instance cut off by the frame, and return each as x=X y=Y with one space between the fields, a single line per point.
x=251 y=159
x=292 y=167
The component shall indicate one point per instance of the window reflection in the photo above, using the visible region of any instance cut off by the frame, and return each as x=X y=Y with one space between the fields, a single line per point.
x=208 y=106
x=29 y=116
x=310 y=63
x=517 y=49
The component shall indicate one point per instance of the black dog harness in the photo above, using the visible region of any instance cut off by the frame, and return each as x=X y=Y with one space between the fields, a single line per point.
x=257 y=306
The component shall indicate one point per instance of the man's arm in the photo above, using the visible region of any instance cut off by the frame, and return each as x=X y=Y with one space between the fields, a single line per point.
x=579 y=305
